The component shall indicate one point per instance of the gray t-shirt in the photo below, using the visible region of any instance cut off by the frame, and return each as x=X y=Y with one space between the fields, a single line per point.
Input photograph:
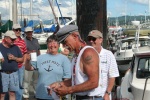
x=32 y=44
x=51 y=68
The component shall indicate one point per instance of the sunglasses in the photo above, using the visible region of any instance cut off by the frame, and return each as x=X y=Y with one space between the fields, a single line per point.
x=91 y=39
x=17 y=29
x=12 y=39
x=29 y=32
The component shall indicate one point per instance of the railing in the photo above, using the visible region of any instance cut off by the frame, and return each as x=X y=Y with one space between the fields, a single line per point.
x=145 y=87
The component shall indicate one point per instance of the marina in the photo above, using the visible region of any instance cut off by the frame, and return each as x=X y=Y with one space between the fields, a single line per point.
x=130 y=45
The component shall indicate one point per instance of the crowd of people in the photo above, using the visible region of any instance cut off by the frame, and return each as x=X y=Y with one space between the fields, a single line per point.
x=88 y=75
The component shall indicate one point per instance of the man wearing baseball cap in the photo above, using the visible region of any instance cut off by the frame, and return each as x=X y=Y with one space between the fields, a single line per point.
x=22 y=45
x=9 y=75
x=109 y=69
x=85 y=83
x=30 y=76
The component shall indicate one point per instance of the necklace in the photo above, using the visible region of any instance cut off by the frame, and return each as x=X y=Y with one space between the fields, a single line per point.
x=80 y=48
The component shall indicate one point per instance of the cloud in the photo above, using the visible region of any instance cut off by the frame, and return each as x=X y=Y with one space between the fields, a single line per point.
x=41 y=9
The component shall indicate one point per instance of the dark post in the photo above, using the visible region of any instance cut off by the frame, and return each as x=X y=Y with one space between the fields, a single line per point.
x=0 y=25
x=92 y=14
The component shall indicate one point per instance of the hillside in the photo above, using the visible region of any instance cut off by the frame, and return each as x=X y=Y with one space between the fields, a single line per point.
x=121 y=20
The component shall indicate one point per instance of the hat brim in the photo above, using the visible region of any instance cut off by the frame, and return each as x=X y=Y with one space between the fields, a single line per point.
x=62 y=38
x=13 y=37
x=92 y=36
x=27 y=31
x=17 y=28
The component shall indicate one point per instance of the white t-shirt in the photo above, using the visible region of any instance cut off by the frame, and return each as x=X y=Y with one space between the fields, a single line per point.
x=108 y=66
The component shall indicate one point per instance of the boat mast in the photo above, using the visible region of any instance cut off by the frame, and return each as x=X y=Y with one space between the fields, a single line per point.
x=21 y=11
x=13 y=12
x=31 y=2
x=149 y=7
x=10 y=10
x=72 y=9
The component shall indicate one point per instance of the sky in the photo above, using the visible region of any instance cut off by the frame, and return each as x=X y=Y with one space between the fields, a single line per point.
x=41 y=8
x=117 y=8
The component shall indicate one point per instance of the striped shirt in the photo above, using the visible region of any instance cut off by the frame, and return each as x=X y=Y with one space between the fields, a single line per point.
x=108 y=68
x=22 y=45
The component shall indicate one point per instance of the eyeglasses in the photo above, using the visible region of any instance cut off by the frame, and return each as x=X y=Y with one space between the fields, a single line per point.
x=91 y=39
x=17 y=29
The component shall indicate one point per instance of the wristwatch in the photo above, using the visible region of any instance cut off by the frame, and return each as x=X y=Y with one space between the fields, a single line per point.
x=108 y=92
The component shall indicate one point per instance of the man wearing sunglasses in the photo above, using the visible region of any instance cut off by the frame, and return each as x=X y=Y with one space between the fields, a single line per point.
x=22 y=45
x=9 y=72
x=109 y=69
x=85 y=82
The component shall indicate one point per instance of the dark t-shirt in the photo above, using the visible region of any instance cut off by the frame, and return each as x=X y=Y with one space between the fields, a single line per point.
x=10 y=65
x=32 y=44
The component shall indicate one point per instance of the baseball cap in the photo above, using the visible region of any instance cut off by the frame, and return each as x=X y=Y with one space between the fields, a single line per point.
x=11 y=34
x=28 y=29
x=95 y=33
x=16 y=26
x=65 y=31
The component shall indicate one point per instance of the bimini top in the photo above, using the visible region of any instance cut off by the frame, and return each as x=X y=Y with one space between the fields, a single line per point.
x=142 y=53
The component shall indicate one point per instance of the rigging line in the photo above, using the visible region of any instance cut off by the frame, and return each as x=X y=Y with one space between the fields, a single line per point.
x=54 y=13
x=60 y=12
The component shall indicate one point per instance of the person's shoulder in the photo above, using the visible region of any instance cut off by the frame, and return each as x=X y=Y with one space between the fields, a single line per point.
x=89 y=51
x=107 y=51
x=35 y=38
x=22 y=41
x=24 y=38
x=15 y=46
x=42 y=56
x=62 y=55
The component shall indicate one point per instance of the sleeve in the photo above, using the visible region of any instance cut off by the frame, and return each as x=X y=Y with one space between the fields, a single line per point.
x=38 y=45
x=113 y=68
x=66 y=68
x=24 y=48
x=19 y=52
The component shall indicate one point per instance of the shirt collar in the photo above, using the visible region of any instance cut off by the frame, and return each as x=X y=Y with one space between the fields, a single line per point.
x=102 y=51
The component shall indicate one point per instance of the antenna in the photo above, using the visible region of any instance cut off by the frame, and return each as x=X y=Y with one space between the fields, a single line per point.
x=149 y=6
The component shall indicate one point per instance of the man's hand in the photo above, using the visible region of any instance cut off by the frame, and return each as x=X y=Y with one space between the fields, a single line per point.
x=62 y=91
x=28 y=56
x=106 y=97
x=11 y=56
x=54 y=87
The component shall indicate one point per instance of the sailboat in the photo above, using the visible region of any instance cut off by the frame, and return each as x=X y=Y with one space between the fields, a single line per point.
x=59 y=22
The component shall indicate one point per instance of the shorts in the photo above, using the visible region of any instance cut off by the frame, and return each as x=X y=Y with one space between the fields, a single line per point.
x=9 y=82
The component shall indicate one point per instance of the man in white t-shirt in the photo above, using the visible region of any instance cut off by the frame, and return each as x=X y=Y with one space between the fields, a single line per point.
x=109 y=69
